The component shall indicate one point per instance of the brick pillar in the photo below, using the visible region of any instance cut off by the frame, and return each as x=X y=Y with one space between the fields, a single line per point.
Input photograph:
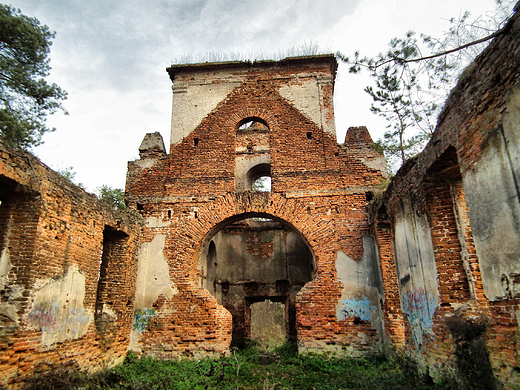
x=115 y=290
x=392 y=314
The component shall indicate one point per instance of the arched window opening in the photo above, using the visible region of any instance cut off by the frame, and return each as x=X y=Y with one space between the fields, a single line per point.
x=252 y=155
x=259 y=178
x=253 y=123
x=263 y=262
x=212 y=255
x=262 y=184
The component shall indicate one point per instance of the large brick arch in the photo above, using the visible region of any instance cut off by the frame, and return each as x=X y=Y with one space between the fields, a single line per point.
x=314 y=231
x=316 y=302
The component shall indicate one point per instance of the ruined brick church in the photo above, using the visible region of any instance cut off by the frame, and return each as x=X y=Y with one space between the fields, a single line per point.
x=322 y=255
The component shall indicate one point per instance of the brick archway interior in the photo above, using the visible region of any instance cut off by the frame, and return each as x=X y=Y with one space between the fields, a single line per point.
x=254 y=265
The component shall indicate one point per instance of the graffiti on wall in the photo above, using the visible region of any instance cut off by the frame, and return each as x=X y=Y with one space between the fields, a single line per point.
x=55 y=319
x=419 y=308
x=58 y=310
x=355 y=307
x=141 y=319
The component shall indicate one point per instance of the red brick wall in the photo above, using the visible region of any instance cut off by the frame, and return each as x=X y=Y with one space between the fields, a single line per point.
x=49 y=228
x=316 y=187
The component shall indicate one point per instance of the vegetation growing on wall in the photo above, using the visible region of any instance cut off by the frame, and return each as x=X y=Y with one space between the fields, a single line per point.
x=306 y=49
x=69 y=174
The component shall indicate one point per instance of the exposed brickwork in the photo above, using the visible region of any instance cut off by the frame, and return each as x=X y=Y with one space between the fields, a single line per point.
x=450 y=279
x=453 y=283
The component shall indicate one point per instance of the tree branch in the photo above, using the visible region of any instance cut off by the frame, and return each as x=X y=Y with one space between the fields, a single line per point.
x=481 y=40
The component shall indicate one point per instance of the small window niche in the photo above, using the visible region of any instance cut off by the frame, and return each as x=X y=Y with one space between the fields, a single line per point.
x=259 y=178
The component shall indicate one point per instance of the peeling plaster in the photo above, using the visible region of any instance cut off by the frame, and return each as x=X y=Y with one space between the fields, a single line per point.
x=153 y=273
x=356 y=307
x=153 y=222
x=10 y=291
x=5 y=267
x=58 y=310
x=360 y=296
x=192 y=102
x=306 y=97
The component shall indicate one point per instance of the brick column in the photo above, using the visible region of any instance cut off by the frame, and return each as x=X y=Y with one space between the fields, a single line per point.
x=392 y=314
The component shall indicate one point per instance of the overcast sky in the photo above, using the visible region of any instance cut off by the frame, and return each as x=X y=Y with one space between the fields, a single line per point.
x=110 y=56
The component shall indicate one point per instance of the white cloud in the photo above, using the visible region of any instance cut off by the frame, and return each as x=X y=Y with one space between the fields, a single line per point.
x=111 y=55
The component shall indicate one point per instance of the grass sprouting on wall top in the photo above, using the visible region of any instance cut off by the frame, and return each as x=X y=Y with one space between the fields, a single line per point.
x=306 y=49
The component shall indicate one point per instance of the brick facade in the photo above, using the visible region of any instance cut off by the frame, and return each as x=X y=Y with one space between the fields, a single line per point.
x=318 y=189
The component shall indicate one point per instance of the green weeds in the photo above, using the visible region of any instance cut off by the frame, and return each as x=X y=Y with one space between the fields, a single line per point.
x=251 y=368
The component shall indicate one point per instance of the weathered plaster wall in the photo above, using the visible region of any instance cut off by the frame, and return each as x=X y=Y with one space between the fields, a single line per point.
x=308 y=94
x=193 y=99
x=492 y=188
x=152 y=274
x=67 y=272
x=57 y=309
x=416 y=269
x=362 y=289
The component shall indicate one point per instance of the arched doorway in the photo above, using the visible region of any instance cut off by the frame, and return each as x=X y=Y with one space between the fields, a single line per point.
x=254 y=265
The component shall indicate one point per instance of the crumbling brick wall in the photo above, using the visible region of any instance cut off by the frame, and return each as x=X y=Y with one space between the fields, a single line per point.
x=318 y=188
x=448 y=225
x=67 y=272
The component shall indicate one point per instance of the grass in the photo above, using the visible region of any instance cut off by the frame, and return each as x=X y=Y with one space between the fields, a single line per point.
x=245 y=369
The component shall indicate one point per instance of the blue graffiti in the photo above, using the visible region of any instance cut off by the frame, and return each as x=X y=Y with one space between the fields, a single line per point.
x=141 y=319
x=353 y=307
x=75 y=321
x=419 y=308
